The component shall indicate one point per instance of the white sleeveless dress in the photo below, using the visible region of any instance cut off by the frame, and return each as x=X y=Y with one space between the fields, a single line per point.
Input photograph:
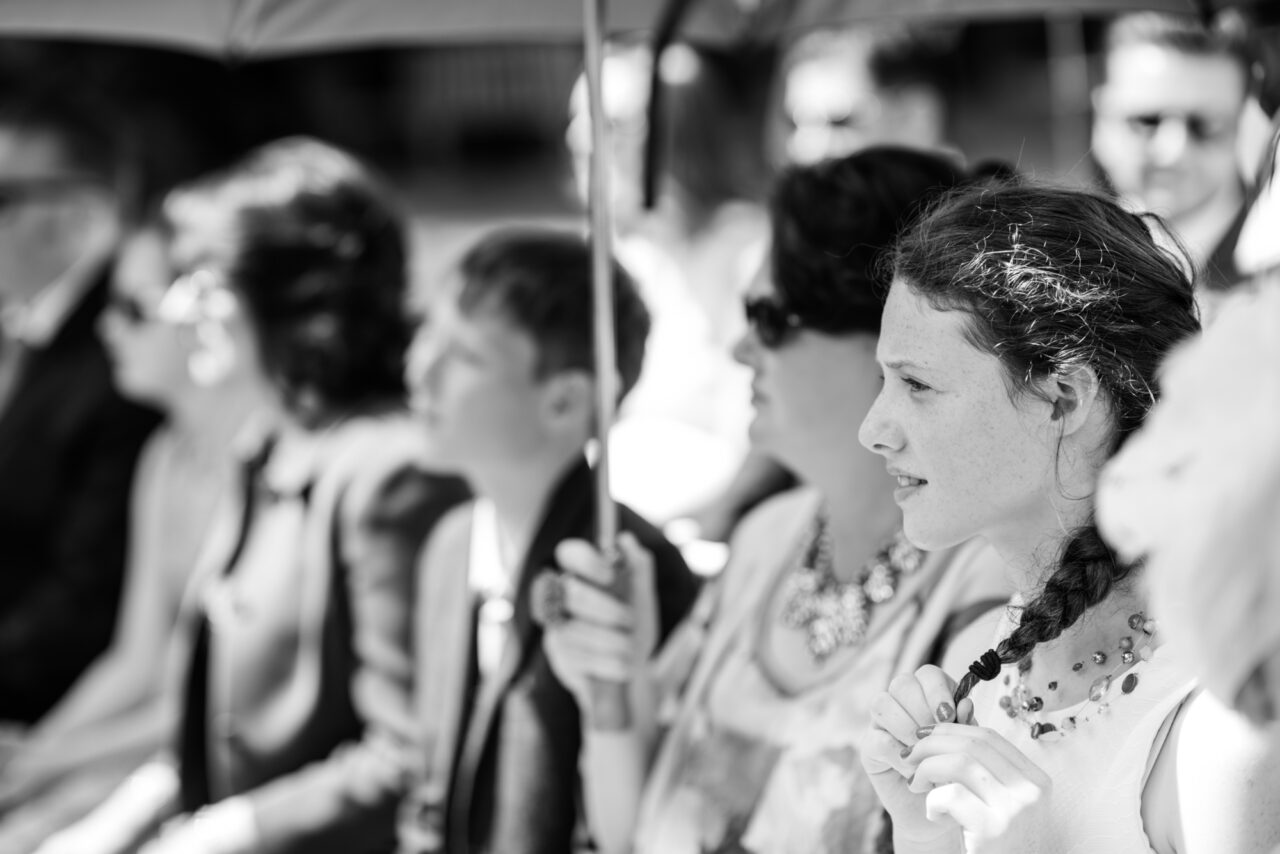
x=1100 y=769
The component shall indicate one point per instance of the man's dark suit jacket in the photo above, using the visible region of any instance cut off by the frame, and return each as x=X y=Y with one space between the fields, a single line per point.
x=68 y=444
x=500 y=757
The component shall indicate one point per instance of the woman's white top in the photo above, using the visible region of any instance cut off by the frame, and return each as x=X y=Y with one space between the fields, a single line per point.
x=1100 y=769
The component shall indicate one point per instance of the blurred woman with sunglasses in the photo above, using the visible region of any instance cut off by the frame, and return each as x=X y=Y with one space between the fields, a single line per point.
x=767 y=685
x=113 y=717
x=291 y=660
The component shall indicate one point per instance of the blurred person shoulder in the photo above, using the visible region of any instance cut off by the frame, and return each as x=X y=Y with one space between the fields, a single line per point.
x=768 y=533
x=377 y=457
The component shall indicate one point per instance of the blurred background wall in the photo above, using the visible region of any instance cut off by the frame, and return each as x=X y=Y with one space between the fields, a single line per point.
x=475 y=134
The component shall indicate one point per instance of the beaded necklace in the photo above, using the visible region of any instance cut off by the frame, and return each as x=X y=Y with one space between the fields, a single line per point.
x=1021 y=702
x=834 y=613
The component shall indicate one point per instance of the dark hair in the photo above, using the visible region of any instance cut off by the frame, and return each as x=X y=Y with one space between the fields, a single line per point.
x=540 y=281
x=1054 y=279
x=832 y=222
x=311 y=243
x=1226 y=35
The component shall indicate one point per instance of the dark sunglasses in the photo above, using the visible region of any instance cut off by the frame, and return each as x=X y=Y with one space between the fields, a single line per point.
x=772 y=323
x=1200 y=129
x=129 y=308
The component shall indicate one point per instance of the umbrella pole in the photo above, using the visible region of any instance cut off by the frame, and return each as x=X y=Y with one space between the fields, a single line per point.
x=610 y=700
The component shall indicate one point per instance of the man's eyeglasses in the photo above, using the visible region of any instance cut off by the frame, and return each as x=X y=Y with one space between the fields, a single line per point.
x=1200 y=128
x=772 y=323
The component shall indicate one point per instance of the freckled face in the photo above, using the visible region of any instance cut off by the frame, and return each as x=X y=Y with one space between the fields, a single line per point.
x=970 y=460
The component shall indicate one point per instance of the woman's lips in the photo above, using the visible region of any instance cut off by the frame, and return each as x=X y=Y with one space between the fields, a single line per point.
x=907 y=486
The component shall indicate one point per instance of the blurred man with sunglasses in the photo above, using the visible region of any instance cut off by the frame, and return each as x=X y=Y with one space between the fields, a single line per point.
x=1166 y=129
x=68 y=441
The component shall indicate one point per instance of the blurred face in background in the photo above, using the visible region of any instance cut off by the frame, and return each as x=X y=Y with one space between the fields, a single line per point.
x=51 y=215
x=148 y=357
x=833 y=106
x=626 y=96
x=1166 y=126
x=472 y=384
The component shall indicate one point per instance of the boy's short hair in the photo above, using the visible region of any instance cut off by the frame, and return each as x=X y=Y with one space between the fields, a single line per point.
x=540 y=281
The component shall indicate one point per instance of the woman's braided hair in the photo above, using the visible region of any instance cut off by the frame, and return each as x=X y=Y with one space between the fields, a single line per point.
x=1052 y=280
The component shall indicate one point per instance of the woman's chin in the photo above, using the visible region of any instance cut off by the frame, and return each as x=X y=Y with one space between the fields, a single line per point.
x=927 y=535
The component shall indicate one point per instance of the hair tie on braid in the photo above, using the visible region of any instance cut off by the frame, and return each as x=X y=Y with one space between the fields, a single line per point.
x=987 y=667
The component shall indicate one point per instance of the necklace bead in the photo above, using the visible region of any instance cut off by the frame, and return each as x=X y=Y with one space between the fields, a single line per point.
x=1020 y=702
x=832 y=613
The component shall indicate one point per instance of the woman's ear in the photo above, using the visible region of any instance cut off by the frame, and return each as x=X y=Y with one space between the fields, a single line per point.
x=1073 y=396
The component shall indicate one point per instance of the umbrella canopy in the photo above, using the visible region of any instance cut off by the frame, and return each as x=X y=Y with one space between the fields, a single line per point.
x=237 y=29
x=268 y=28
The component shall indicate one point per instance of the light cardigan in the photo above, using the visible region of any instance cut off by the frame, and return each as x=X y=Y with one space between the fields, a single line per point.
x=816 y=773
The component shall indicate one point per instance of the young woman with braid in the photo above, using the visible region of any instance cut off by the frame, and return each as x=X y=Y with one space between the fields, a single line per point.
x=1020 y=345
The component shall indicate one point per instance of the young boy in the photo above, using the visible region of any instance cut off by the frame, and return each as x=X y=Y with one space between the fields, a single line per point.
x=502 y=380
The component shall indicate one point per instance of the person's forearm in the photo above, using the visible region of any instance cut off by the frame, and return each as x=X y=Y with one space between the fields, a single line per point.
x=614 y=766
x=943 y=843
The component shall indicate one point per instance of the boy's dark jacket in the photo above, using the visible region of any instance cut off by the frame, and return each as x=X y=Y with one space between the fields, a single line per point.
x=499 y=760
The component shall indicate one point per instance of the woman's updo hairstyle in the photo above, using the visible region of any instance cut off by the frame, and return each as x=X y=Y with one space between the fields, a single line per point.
x=832 y=223
x=1053 y=280
x=310 y=242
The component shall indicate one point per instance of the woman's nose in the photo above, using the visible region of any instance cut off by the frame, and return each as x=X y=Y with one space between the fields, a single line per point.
x=877 y=432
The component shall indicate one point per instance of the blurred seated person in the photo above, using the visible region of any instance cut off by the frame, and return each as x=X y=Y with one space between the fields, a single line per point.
x=765 y=690
x=682 y=431
x=1199 y=487
x=291 y=664
x=1166 y=129
x=112 y=719
x=68 y=440
x=503 y=382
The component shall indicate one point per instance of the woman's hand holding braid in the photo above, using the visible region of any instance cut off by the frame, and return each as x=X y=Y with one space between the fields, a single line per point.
x=940 y=776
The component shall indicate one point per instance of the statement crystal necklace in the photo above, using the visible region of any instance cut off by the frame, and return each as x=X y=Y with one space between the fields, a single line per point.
x=835 y=614
x=1021 y=702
